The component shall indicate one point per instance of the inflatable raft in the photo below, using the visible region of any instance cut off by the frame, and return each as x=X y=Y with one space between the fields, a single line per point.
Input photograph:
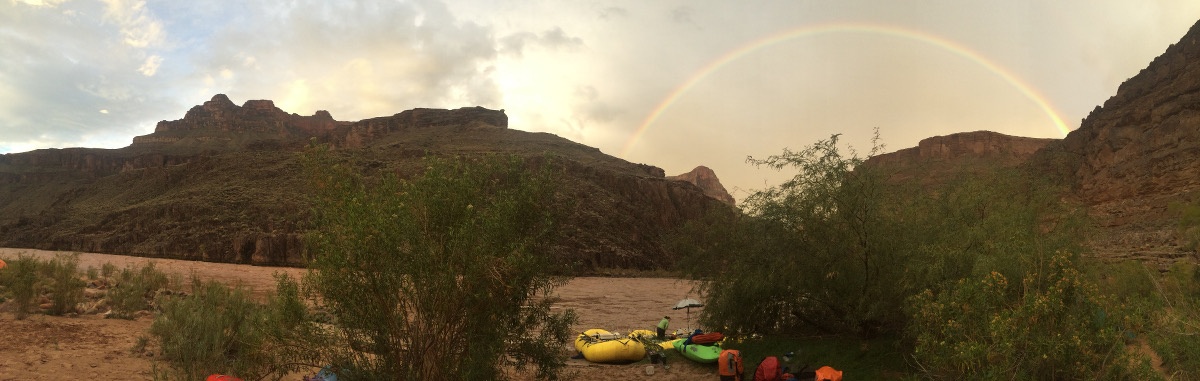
x=598 y=345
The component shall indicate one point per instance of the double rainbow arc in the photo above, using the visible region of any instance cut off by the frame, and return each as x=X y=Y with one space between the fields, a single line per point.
x=824 y=29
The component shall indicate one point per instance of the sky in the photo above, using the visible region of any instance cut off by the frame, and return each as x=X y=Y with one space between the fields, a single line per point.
x=672 y=83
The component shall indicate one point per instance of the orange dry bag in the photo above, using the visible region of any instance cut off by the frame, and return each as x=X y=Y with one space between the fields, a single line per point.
x=729 y=362
x=827 y=373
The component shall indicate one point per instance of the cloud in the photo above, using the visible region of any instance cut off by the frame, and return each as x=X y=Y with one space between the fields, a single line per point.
x=41 y=3
x=139 y=28
x=60 y=66
x=613 y=12
x=357 y=60
x=683 y=15
x=150 y=66
x=552 y=39
x=591 y=108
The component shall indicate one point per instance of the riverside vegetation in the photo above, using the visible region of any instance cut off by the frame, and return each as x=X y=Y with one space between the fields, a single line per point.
x=979 y=278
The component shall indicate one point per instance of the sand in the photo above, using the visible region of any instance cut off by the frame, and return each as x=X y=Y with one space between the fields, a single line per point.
x=91 y=347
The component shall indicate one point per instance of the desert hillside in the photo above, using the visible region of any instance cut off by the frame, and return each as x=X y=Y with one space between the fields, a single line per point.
x=225 y=184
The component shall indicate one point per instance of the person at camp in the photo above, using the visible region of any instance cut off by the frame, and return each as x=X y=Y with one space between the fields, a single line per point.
x=662 y=327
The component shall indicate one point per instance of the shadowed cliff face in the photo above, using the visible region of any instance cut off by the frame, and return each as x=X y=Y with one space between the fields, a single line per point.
x=225 y=184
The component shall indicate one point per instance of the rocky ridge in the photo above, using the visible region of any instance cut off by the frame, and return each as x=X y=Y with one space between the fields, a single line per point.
x=936 y=159
x=225 y=184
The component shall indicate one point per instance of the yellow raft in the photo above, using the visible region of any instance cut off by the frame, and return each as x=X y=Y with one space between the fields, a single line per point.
x=598 y=345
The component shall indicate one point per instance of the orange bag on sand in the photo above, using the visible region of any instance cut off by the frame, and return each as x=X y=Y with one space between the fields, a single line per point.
x=221 y=377
x=827 y=373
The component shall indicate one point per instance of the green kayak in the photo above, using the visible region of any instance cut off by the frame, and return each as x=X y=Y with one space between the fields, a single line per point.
x=696 y=352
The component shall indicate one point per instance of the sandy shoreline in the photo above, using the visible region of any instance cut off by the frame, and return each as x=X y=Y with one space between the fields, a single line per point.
x=60 y=348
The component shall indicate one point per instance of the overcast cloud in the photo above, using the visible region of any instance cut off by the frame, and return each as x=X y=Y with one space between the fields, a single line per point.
x=97 y=73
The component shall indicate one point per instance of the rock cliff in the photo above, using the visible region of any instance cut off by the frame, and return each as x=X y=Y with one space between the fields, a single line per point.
x=225 y=184
x=1144 y=140
x=938 y=158
x=707 y=180
x=1138 y=153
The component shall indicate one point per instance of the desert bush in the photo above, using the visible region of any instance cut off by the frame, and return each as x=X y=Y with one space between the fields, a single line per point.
x=92 y=273
x=134 y=289
x=21 y=278
x=1176 y=326
x=443 y=276
x=217 y=329
x=1051 y=326
x=108 y=269
x=66 y=289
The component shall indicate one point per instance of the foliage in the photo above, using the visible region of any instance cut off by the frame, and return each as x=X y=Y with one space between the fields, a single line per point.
x=216 y=330
x=21 y=278
x=815 y=250
x=1189 y=223
x=841 y=246
x=108 y=269
x=1003 y=220
x=135 y=288
x=1054 y=328
x=443 y=276
x=1177 y=325
x=66 y=289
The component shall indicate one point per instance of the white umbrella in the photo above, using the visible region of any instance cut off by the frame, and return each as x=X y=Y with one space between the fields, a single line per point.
x=688 y=304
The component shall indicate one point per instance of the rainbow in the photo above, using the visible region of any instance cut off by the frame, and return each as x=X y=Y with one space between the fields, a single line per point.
x=821 y=29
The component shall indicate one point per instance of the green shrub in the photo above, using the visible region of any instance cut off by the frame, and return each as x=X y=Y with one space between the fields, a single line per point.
x=108 y=269
x=443 y=276
x=1177 y=325
x=66 y=289
x=93 y=273
x=22 y=281
x=215 y=330
x=1051 y=326
x=134 y=290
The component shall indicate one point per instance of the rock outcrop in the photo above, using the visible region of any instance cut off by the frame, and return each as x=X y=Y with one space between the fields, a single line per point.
x=1144 y=141
x=225 y=183
x=936 y=159
x=1131 y=158
x=707 y=180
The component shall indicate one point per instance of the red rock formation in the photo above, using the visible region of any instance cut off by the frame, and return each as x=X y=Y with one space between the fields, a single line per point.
x=707 y=180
